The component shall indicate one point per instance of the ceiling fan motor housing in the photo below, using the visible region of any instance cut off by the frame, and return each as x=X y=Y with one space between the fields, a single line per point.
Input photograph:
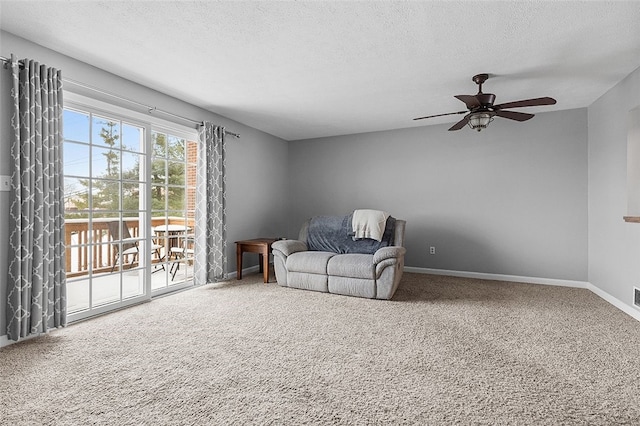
x=486 y=99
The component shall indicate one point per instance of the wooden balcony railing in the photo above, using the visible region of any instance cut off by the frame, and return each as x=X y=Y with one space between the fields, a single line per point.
x=93 y=248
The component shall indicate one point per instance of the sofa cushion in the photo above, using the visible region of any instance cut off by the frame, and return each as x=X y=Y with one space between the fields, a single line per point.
x=358 y=287
x=314 y=262
x=306 y=281
x=352 y=265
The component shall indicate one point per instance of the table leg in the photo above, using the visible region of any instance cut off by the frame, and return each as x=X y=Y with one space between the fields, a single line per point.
x=239 y=262
x=265 y=266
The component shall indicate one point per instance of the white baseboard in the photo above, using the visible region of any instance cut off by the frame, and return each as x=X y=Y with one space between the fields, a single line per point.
x=500 y=277
x=250 y=270
x=627 y=309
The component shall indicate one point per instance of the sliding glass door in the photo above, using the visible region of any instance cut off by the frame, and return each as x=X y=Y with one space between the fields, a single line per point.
x=129 y=210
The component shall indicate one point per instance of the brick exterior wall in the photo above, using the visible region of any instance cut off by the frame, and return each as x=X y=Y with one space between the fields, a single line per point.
x=192 y=158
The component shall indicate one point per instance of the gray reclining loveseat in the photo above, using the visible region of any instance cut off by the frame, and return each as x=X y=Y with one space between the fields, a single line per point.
x=327 y=258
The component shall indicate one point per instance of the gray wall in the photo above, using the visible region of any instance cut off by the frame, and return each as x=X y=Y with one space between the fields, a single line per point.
x=257 y=179
x=509 y=200
x=614 y=245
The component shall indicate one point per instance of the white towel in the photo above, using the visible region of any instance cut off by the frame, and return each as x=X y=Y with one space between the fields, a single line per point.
x=369 y=223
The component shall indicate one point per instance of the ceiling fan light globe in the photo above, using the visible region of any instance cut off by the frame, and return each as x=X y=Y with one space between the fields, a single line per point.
x=480 y=120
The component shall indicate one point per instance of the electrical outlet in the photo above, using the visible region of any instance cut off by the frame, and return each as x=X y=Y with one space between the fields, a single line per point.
x=5 y=183
x=432 y=250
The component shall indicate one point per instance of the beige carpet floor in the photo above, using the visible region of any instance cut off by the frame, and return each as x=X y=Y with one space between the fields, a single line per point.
x=443 y=351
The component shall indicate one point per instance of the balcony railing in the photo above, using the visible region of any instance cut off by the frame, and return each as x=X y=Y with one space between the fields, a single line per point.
x=93 y=248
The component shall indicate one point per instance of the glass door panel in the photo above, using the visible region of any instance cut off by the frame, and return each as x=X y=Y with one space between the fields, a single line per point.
x=173 y=188
x=105 y=212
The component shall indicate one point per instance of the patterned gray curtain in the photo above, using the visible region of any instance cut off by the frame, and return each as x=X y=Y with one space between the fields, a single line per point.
x=210 y=260
x=36 y=285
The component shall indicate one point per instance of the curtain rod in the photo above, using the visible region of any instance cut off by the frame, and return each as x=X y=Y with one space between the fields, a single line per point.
x=150 y=109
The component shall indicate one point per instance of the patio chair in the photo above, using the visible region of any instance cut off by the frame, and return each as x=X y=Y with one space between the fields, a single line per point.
x=129 y=244
x=181 y=254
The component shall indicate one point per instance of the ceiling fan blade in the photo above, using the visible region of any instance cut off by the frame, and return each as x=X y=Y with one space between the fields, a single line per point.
x=460 y=124
x=469 y=100
x=514 y=115
x=440 y=115
x=526 y=103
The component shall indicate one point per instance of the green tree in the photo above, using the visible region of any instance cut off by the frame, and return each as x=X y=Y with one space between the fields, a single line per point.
x=110 y=136
x=105 y=191
x=167 y=172
x=167 y=177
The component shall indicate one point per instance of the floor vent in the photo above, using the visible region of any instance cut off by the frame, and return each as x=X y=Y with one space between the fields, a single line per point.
x=636 y=296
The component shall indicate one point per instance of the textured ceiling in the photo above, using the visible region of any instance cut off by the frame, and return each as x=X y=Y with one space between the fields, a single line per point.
x=308 y=69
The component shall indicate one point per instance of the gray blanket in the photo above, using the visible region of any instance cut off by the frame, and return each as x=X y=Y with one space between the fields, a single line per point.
x=335 y=234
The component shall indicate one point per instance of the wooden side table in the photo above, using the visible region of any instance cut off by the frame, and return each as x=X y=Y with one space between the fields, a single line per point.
x=262 y=246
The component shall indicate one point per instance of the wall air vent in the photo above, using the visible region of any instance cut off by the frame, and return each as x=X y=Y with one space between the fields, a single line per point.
x=636 y=296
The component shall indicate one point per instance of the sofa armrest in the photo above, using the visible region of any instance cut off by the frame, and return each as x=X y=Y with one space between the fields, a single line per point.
x=288 y=247
x=392 y=252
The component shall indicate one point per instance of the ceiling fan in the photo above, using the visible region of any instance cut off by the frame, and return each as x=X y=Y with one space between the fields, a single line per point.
x=481 y=109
